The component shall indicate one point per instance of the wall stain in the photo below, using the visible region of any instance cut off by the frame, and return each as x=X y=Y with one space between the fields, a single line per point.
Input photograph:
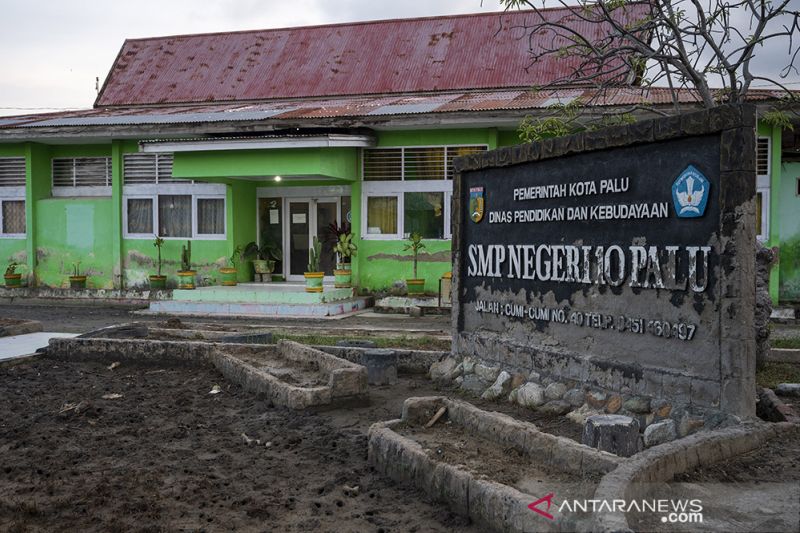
x=438 y=257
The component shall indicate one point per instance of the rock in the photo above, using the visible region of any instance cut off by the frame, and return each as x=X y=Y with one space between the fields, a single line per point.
x=788 y=389
x=690 y=424
x=555 y=391
x=473 y=384
x=500 y=387
x=443 y=370
x=534 y=376
x=637 y=404
x=615 y=434
x=661 y=408
x=596 y=399
x=530 y=395
x=659 y=433
x=415 y=311
x=574 y=397
x=487 y=373
x=583 y=412
x=512 y=397
x=517 y=380
x=614 y=403
x=459 y=380
x=556 y=407
x=469 y=365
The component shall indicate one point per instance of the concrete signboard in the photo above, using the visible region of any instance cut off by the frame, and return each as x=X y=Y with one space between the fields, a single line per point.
x=622 y=258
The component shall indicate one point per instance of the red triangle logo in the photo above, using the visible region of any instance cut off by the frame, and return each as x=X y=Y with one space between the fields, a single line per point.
x=534 y=506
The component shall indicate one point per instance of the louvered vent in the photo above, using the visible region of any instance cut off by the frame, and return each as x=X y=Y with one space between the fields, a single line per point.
x=148 y=168
x=458 y=151
x=410 y=164
x=383 y=164
x=82 y=172
x=762 y=156
x=423 y=163
x=12 y=171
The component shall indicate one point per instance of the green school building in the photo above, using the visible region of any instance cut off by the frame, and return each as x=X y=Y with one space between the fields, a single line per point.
x=270 y=136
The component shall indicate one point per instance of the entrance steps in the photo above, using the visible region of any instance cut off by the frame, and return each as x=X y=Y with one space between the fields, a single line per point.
x=262 y=299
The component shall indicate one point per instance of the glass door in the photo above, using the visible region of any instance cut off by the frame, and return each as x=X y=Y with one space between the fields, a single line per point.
x=299 y=241
x=305 y=219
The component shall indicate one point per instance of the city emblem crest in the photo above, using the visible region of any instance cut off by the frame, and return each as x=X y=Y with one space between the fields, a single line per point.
x=690 y=193
x=476 y=203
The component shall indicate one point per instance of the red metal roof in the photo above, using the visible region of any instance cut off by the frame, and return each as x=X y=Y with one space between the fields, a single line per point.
x=454 y=53
x=363 y=108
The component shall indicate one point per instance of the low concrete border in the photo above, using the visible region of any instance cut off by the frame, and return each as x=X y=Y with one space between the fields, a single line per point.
x=784 y=355
x=664 y=462
x=346 y=380
x=408 y=361
x=492 y=505
x=25 y=326
x=48 y=296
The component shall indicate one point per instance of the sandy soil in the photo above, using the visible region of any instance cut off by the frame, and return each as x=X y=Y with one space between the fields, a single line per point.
x=167 y=455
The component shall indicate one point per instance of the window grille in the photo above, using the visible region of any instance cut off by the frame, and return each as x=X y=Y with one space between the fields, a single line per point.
x=148 y=169
x=12 y=171
x=82 y=172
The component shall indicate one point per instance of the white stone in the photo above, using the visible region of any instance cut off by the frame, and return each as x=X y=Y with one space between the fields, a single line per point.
x=555 y=391
x=659 y=433
x=487 y=373
x=468 y=365
x=583 y=412
x=534 y=376
x=530 y=395
x=786 y=313
x=442 y=370
x=788 y=389
x=499 y=388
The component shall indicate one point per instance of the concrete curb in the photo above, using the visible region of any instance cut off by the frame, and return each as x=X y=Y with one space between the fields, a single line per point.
x=784 y=355
x=662 y=463
x=346 y=380
x=492 y=505
x=408 y=361
x=28 y=326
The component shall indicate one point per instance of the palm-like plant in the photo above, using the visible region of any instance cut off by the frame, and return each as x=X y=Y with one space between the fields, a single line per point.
x=415 y=245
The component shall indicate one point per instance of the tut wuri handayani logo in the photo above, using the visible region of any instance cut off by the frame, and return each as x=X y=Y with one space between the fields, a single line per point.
x=477 y=204
x=690 y=193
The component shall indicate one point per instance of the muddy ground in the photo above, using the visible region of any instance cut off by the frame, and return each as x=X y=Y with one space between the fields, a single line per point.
x=89 y=316
x=167 y=455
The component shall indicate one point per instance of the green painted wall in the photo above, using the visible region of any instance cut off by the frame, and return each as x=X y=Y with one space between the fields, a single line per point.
x=789 y=220
x=69 y=230
x=140 y=260
x=774 y=203
x=382 y=263
x=333 y=162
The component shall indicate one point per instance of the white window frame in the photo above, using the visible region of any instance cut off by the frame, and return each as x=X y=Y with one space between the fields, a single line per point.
x=12 y=195
x=196 y=213
x=207 y=191
x=763 y=187
x=398 y=190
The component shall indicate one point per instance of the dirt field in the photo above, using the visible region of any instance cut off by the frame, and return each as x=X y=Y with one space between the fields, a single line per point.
x=167 y=455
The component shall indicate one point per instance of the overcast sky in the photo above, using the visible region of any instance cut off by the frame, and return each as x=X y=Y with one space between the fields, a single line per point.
x=51 y=51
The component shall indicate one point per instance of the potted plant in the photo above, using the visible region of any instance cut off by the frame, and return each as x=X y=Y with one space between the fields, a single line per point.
x=77 y=280
x=345 y=250
x=263 y=257
x=313 y=275
x=415 y=285
x=227 y=275
x=158 y=281
x=186 y=275
x=12 y=278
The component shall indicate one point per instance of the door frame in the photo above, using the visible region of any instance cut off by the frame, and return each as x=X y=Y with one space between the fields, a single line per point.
x=319 y=192
x=312 y=227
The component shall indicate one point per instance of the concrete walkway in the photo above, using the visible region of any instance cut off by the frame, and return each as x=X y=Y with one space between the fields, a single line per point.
x=22 y=345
